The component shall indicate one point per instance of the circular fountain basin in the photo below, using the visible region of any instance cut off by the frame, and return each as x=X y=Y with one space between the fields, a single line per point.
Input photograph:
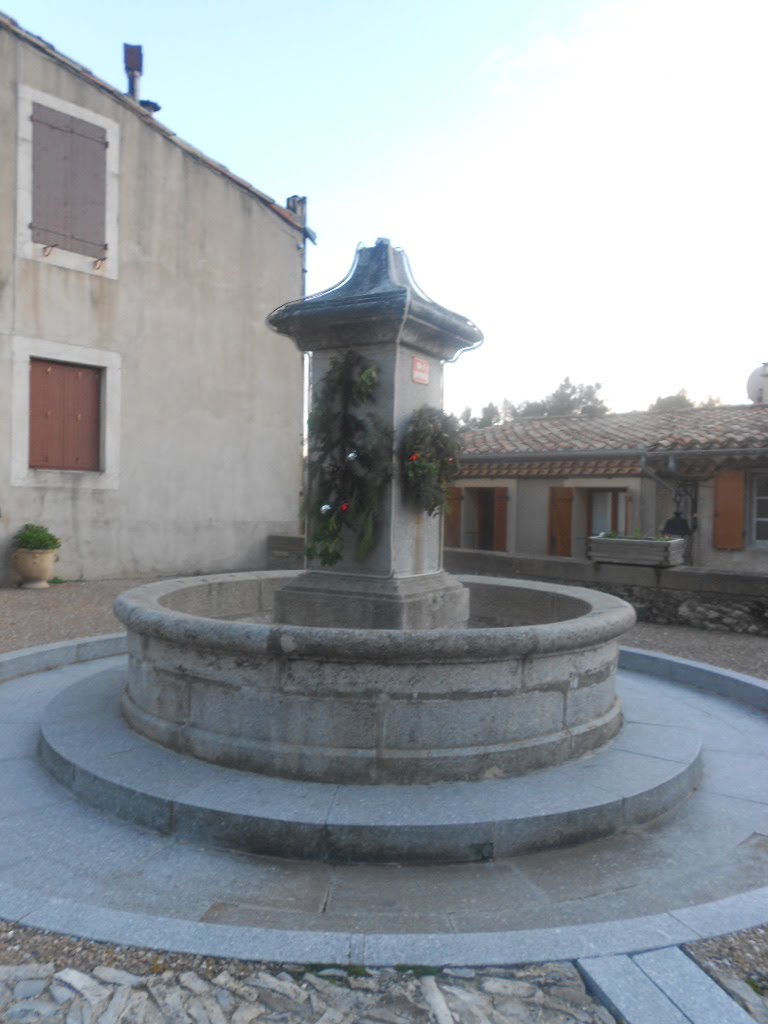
x=530 y=686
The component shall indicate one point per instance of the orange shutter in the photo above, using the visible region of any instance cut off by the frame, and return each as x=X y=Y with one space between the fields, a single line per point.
x=728 y=519
x=560 y=514
x=500 y=500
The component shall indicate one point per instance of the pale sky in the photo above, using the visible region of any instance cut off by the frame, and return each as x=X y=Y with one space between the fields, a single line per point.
x=586 y=180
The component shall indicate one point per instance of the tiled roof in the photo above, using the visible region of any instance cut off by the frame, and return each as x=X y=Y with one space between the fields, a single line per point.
x=723 y=428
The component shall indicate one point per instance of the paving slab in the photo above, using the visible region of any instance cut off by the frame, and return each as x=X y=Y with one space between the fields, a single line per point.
x=700 y=999
x=628 y=992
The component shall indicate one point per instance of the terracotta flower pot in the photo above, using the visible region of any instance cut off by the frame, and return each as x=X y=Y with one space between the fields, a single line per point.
x=35 y=567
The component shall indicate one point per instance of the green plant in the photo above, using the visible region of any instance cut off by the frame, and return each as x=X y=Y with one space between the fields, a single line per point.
x=32 y=537
x=428 y=458
x=350 y=460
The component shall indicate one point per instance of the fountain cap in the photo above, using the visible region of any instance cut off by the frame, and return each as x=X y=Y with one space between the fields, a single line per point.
x=378 y=302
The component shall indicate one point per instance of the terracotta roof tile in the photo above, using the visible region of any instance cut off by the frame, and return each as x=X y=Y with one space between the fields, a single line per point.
x=551 y=468
x=717 y=429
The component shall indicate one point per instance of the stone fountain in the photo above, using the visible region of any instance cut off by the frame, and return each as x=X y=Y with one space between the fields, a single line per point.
x=378 y=708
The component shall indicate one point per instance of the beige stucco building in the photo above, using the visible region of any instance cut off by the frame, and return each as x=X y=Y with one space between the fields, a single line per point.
x=148 y=416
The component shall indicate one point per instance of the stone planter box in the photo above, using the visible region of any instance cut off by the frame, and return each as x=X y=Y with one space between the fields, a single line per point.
x=629 y=551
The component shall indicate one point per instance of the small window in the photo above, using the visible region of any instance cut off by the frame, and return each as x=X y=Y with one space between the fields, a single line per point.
x=607 y=512
x=64 y=416
x=760 y=509
x=69 y=177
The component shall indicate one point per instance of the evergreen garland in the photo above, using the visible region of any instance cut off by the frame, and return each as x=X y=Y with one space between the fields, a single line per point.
x=429 y=458
x=350 y=460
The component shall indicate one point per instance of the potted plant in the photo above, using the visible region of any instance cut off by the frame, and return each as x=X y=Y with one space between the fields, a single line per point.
x=661 y=552
x=35 y=555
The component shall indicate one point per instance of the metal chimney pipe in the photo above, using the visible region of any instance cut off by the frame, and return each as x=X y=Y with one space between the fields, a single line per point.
x=132 y=60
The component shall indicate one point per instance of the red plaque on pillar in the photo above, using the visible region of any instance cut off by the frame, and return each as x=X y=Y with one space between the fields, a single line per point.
x=420 y=371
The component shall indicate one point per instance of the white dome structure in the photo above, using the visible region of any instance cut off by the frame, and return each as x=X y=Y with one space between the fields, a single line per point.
x=757 y=385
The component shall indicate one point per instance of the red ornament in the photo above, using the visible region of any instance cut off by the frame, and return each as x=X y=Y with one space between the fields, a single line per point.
x=414 y=457
x=344 y=507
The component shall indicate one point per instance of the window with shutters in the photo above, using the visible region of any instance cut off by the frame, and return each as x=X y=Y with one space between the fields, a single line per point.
x=68 y=170
x=485 y=518
x=607 y=511
x=69 y=177
x=64 y=416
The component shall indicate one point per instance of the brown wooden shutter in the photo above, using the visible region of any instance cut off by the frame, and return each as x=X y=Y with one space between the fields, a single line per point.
x=500 y=501
x=729 y=512
x=65 y=416
x=69 y=182
x=88 y=189
x=82 y=417
x=46 y=416
x=452 y=521
x=560 y=515
x=50 y=176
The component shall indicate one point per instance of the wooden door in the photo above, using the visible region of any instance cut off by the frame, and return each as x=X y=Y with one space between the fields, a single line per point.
x=560 y=518
x=729 y=516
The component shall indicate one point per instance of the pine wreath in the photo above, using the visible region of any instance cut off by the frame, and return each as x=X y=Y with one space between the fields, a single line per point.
x=429 y=458
x=350 y=460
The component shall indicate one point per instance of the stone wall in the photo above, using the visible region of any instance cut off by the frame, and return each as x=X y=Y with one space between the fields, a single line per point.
x=731 y=602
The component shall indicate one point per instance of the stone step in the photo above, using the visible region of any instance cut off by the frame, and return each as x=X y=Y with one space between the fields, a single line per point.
x=87 y=746
x=661 y=987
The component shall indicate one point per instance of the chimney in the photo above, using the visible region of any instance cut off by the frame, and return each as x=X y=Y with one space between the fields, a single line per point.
x=132 y=59
x=134 y=62
x=297 y=205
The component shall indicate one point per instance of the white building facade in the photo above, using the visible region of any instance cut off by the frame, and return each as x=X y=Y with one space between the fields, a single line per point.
x=148 y=416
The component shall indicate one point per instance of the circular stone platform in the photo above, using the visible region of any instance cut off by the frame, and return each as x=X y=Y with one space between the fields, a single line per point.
x=641 y=774
x=697 y=871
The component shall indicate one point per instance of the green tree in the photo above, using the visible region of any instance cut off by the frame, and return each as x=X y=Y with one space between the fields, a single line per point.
x=489 y=416
x=672 y=403
x=567 y=399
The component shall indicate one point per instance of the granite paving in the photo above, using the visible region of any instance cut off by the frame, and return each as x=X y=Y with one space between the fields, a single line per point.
x=99 y=981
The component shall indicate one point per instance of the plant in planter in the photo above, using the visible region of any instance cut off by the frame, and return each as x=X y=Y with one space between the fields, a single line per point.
x=35 y=555
x=662 y=552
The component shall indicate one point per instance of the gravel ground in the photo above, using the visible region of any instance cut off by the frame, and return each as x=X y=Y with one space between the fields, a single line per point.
x=70 y=610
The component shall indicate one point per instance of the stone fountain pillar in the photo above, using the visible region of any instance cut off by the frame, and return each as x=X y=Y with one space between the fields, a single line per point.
x=379 y=310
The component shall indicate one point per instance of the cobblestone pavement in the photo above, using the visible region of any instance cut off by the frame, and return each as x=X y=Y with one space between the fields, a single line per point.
x=547 y=994
x=62 y=980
